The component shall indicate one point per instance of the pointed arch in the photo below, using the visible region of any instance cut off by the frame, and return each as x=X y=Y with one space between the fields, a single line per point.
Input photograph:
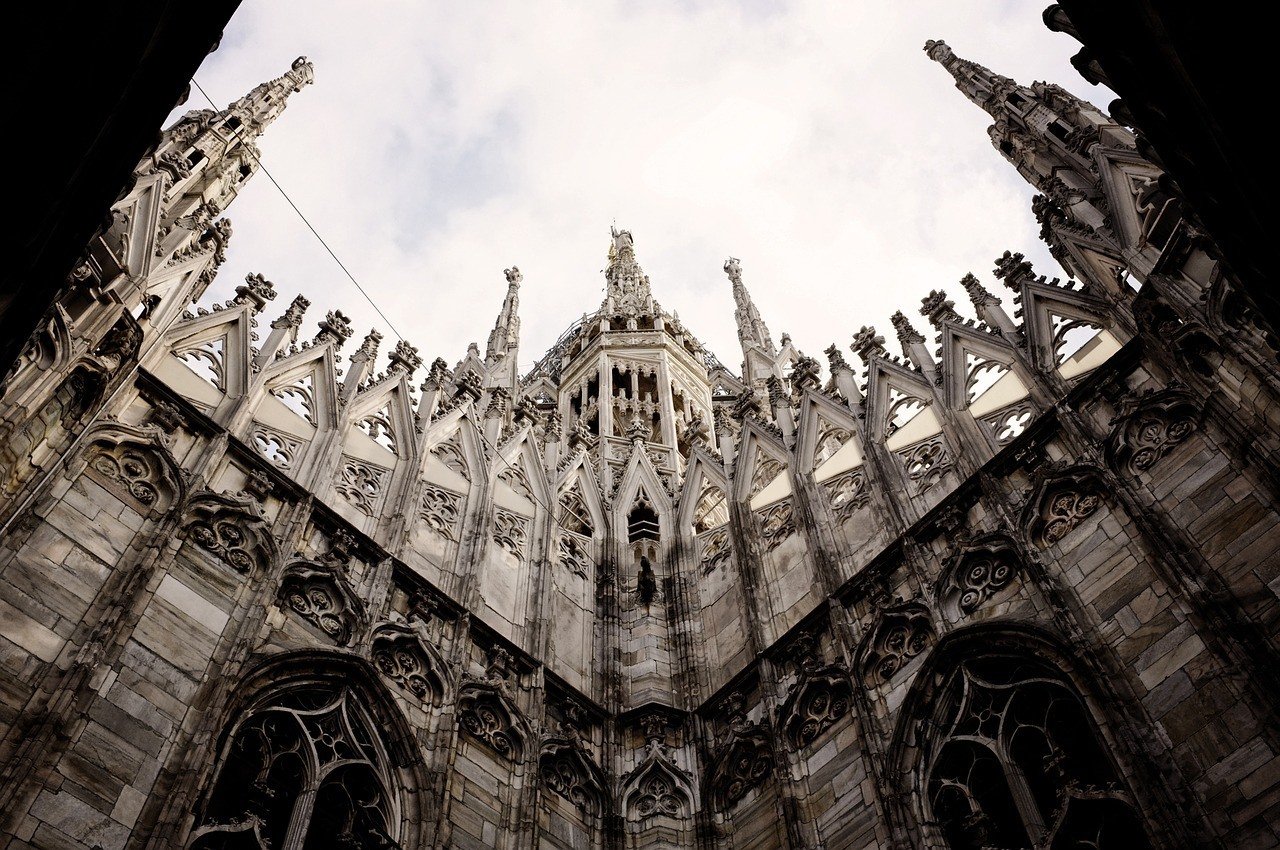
x=318 y=593
x=312 y=742
x=1000 y=740
x=657 y=788
x=1063 y=497
x=569 y=771
x=489 y=717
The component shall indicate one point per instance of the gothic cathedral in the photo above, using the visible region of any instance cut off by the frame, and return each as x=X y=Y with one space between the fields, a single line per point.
x=1016 y=587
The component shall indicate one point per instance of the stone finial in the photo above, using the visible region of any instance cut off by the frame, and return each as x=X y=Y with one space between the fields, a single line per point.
x=804 y=652
x=746 y=406
x=437 y=376
x=939 y=51
x=554 y=427
x=469 y=385
x=292 y=317
x=255 y=290
x=907 y=334
x=835 y=359
x=1013 y=268
x=868 y=344
x=777 y=396
x=580 y=435
x=498 y=399
x=368 y=347
x=938 y=308
x=335 y=326
x=513 y=275
x=638 y=431
x=526 y=410
x=977 y=292
x=404 y=359
x=806 y=374
x=733 y=268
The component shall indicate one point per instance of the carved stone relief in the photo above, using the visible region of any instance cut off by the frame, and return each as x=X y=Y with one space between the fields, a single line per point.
x=716 y=548
x=1149 y=427
x=361 y=484
x=903 y=632
x=486 y=717
x=402 y=656
x=318 y=595
x=926 y=463
x=1064 y=498
x=451 y=455
x=136 y=470
x=572 y=550
x=847 y=493
x=509 y=532
x=777 y=523
x=978 y=570
x=280 y=449
x=567 y=772
x=441 y=510
x=231 y=529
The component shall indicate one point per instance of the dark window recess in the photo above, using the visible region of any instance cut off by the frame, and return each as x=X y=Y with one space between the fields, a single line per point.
x=642 y=523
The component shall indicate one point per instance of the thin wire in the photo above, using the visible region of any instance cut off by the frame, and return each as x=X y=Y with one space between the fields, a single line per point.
x=311 y=227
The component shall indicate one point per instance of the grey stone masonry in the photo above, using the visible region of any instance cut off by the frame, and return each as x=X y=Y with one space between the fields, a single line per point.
x=1018 y=587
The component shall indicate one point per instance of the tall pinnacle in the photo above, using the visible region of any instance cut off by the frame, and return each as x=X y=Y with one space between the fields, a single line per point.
x=505 y=335
x=627 y=284
x=257 y=109
x=752 y=331
x=978 y=83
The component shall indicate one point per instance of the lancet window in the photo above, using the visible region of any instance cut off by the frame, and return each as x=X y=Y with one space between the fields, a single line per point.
x=304 y=771
x=1020 y=764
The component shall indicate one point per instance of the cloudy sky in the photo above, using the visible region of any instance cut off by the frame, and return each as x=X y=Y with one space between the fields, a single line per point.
x=443 y=142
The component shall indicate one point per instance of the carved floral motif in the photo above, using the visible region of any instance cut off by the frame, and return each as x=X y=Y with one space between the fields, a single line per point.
x=926 y=463
x=136 y=469
x=565 y=770
x=902 y=633
x=402 y=656
x=978 y=570
x=1064 y=498
x=509 y=531
x=572 y=551
x=847 y=493
x=451 y=455
x=485 y=717
x=441 y=510
x=716 y=549
x=1150 y=426
x=777 y=523
x=281 y=450
x=231 y=529
x=318 y=595
x=361 y=484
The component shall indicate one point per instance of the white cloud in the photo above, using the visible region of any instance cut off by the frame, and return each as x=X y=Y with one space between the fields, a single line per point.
x=444 y=142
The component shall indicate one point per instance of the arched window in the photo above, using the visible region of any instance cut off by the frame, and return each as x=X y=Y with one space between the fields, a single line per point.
x=303 y=770
x=1018 y=763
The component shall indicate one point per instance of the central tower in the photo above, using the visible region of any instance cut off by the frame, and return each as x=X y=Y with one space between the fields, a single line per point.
x=631 y=373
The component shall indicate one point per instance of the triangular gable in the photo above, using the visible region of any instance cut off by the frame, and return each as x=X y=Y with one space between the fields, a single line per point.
x=899 y=405
x=454 y=453
x=304 y=383
x=980 y=370
x=143 y=208
x=206 y=358
x=640 y=477
x=519 y=482
x=826 y=432
x=704 y=498
x=383 y=415
x=1051 y=315
x=760 y=474
x=578 y=501
x=1124 y=175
